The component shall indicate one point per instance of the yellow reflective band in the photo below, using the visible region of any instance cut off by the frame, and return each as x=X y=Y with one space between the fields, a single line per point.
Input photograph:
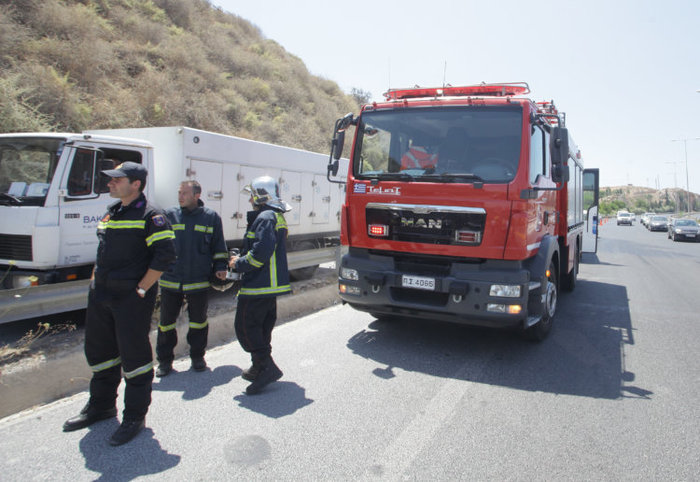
x=195 y=286
x=250 y=235
x=168 y=284
x=265 y=291
x=134 y=224
x=254 y=262
x=178 y=227
x=204 y=229
x=105 y=365
x=273 y=269
x=139 y=371
x=281 y=222
x=199 y=326
x=159 y=236
x=221 y=256
x=164 y=328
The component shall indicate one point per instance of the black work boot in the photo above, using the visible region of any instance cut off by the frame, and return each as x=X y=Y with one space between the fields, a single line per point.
x=198 y=364
x=251 y=373
x=164 y=369
x=87 y=417
x=126 y=431
x=268 y=373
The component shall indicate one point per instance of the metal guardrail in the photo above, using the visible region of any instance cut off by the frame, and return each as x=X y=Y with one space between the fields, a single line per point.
x=34 y=301
x=22 y=303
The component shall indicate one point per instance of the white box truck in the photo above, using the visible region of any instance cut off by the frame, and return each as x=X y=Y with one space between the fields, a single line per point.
x=52 y=195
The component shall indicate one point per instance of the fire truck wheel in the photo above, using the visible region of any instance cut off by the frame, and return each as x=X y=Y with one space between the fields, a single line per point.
x=541 y=329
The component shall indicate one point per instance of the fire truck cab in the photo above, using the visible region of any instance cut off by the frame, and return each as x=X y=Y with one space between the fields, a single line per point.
x=463 y=204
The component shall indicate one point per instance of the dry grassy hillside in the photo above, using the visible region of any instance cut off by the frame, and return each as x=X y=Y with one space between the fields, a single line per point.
x=69 y=65
x=641 y=199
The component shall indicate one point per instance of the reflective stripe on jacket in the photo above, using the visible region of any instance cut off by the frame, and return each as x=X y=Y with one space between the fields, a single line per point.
x=201 y=249
x=264 y=256
x=132 y=239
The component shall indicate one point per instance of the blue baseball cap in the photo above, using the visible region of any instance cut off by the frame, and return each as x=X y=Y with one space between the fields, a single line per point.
x=129 y=169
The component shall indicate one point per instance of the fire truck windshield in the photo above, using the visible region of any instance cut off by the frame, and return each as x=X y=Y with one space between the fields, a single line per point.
x=455 y=144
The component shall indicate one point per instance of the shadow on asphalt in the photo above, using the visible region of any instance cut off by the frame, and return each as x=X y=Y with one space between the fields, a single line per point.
x=142 y=456
x=277 y=400
x=194 y=385
x=583 y=355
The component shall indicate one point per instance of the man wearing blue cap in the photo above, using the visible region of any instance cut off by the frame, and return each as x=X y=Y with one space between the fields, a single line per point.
x=135 y=247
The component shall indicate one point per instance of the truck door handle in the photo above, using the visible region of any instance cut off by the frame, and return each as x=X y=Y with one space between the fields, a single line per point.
x=236 y=215
x=297 y=198
x=326 y=199
x=215 y=194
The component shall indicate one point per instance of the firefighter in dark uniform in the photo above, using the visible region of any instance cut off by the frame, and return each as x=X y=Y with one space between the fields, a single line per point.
x=263 y=262
x=135 y=247
x=201 y=248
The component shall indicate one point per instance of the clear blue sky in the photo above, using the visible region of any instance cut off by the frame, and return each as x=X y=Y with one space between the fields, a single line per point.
x=626 y=72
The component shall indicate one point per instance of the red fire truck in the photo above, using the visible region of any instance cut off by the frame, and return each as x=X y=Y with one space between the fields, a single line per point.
x=463 y=204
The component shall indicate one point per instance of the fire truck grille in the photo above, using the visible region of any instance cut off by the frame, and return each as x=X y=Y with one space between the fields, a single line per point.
x=426 y=225
x=16 y=247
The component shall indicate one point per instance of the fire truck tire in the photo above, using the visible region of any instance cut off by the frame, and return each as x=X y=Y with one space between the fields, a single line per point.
x=541 y=329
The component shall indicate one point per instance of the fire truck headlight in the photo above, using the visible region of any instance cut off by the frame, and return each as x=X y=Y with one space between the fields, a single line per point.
x=505 y=291
x=349 y=273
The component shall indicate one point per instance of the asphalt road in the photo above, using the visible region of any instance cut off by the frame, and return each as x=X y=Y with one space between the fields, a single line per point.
x=612 y=394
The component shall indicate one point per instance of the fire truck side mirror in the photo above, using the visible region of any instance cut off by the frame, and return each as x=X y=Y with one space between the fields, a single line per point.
x=338 y=142
x=559 y=149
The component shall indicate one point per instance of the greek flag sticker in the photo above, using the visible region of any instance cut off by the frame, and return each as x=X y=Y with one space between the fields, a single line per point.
x=359 y=188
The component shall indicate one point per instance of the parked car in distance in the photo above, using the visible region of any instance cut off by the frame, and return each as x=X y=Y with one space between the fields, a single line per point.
x=645 y=218
x=625 y=218
x=683 y=229
x=657 y=223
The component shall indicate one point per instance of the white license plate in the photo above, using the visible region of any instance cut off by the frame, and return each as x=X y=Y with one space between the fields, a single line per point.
x=690 y=235
x=418 y=282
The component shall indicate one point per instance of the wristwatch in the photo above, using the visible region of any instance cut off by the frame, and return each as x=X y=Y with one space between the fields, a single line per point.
x=141 y=292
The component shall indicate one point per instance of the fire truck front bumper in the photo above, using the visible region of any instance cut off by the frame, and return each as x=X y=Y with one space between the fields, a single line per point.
x=490 y=293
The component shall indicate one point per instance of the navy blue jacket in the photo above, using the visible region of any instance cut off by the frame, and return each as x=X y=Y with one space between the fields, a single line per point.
x=201 y=248
x=132 y=239
x=263 y=260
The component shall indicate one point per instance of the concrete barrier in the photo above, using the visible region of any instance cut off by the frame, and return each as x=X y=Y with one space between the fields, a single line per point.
x=55 y=373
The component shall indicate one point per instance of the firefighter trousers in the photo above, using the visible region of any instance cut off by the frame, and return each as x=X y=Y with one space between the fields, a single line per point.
x=170 y=306
x=116 y=341
x=255 y=319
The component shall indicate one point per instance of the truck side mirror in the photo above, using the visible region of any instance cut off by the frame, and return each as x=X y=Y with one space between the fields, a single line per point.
x=559 y=151
x=559 y=145
x=337 y=146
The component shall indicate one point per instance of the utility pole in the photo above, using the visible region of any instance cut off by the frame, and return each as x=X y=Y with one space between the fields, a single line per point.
x=687 y=181
x=675 y=183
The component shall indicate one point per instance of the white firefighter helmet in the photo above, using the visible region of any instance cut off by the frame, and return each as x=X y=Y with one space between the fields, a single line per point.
x=266 y=191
